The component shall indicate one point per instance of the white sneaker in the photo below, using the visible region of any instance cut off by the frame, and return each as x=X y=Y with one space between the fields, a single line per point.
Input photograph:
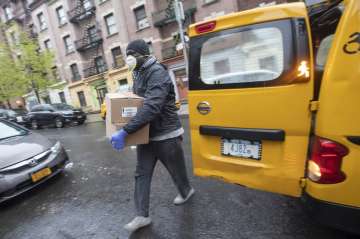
x=137 y=223
x=180 y=200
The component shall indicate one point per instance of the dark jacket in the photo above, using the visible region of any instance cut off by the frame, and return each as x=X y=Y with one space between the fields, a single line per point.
x=153 y=82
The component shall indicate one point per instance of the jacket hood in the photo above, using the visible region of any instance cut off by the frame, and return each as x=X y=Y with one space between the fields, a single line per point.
x=149 y=62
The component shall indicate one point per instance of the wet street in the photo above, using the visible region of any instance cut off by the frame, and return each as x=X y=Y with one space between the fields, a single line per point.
x=94 y=201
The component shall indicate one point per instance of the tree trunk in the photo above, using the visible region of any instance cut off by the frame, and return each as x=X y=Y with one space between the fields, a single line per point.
x=37 y=95
x=36 y=91
x=8 y=103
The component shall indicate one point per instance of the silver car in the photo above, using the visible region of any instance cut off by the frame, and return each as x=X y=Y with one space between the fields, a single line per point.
x=27 y=159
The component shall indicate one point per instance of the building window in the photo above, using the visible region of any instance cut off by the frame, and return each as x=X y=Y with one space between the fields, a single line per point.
x=92 y=34
x=82 y=99
x=117 y=57
x=32 y=31
x=62 y=97
x=42 y=22
x=61 y=15
x=100 y=64
x=8 y=13
x=123 y=85
x=141 y=19
x=110 y=24
x=55 y=73
x=75 y=72
x=68 y=44
x=86 y=4
x=47 y=44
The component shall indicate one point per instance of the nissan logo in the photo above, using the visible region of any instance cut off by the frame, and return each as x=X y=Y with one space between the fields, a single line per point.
x=204 y=108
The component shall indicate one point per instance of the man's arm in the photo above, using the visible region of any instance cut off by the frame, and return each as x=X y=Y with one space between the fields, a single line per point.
x=158 y=86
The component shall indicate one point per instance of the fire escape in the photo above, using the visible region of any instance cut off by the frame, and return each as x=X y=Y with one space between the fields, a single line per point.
x=89 y=43
x=165 y=17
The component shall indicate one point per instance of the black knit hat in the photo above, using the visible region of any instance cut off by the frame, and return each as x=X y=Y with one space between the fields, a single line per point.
x=139 y=46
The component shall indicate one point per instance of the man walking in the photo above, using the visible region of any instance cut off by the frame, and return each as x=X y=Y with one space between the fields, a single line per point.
x=152 y=81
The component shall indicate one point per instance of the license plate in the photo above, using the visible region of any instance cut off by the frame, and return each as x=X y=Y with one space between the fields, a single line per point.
x=40 y=174
x=19 y=119
x=241 y=148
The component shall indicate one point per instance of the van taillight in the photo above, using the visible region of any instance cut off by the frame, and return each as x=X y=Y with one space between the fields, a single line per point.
x=325 y=163
x=205 y=27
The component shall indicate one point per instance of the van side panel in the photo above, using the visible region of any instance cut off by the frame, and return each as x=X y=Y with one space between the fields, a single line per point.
x=338 y=117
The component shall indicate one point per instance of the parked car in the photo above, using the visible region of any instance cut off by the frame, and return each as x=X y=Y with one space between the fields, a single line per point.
x=54 y=114
x=16 y=116
x=27 y=159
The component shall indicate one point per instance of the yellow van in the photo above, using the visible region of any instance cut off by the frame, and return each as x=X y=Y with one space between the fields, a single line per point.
x=274 y=104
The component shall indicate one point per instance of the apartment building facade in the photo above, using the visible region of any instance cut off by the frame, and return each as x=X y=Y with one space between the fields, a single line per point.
x=89 y=39
x=13 y=16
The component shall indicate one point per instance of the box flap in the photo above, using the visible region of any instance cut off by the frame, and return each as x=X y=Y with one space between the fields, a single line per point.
x=123 y=95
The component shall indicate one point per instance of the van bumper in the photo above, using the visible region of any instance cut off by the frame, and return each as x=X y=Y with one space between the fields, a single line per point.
x=345 y=218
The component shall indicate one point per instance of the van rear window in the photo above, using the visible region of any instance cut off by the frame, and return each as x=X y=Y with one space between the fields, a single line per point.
x=241 y=57
x=259 y=55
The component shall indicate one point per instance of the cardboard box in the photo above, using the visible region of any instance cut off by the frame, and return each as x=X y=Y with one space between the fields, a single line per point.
x=120 y=108
x=123 y=106
x=139 y=137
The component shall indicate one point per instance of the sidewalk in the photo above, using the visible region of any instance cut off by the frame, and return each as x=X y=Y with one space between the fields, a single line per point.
x=91 y=118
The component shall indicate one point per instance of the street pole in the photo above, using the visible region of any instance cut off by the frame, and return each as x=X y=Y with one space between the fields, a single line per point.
x=180 y=17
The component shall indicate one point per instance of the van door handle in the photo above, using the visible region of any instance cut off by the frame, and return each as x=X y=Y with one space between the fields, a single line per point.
x=354 y=139
x=243 y=133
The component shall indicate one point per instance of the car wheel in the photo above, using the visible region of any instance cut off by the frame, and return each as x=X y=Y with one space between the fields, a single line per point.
x=34 y=124
x=81 y=122
x=59 y=123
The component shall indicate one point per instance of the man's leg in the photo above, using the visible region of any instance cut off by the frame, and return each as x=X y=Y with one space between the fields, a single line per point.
x=146 y=161
x=171 y=154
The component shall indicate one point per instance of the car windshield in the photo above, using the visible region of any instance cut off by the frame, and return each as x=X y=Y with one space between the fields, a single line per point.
x=20 y=111
x=11 y=113
x=62 y=107
x=8 y=130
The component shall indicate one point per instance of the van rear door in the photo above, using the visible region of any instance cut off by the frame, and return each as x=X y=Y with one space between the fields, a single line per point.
x=338 y=116
x=250 y=91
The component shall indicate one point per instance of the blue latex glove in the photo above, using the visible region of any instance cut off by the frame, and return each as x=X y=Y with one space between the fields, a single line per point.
x=118 y=140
